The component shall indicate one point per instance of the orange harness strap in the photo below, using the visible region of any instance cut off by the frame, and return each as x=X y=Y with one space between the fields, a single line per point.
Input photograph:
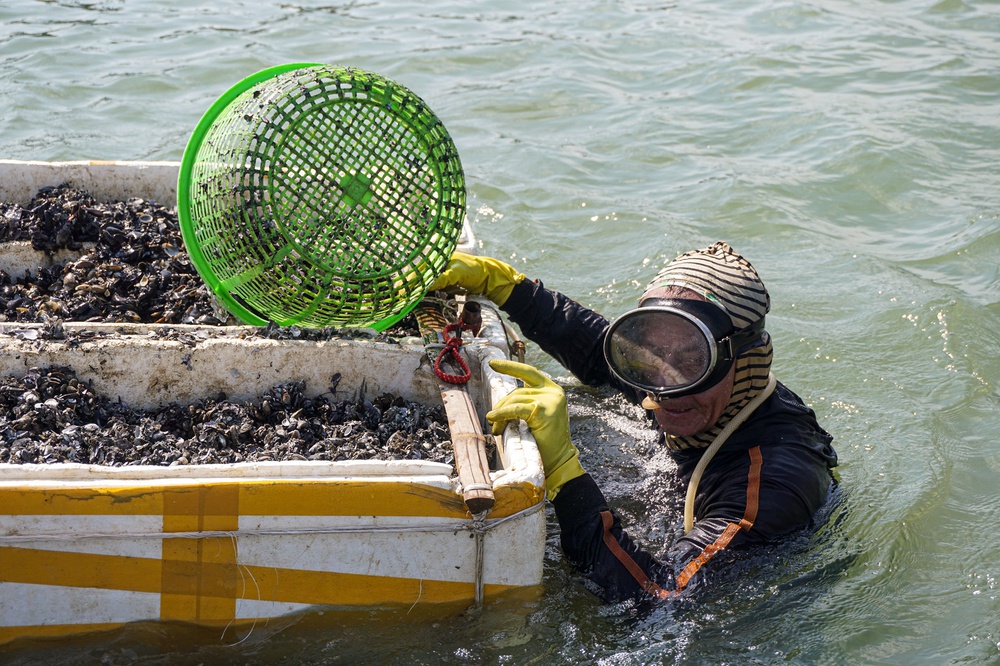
x=640 y=576
x=749 y=516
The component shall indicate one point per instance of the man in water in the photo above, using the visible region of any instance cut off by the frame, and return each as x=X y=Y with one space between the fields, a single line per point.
x=695 y=354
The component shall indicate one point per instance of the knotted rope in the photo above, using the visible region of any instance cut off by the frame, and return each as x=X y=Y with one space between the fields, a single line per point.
x=451 y=346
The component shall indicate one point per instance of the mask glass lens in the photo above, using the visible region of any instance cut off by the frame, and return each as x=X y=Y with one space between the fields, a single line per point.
x=660 y=350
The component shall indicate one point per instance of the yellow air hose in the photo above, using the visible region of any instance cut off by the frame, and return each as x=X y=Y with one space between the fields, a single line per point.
x=716 y=444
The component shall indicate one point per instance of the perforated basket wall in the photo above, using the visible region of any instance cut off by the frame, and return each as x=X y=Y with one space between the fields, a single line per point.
x=319 y=195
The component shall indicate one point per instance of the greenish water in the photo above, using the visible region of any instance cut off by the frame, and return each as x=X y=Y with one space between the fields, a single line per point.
x=849 y=148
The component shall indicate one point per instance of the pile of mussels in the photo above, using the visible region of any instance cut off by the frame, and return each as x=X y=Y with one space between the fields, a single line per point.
x=50 y=416
x=132 y=268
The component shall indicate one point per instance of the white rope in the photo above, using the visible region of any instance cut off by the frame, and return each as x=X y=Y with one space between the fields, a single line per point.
x=475 y=526
x=479 y=531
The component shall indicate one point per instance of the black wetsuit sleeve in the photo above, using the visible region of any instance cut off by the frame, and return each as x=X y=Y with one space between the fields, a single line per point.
x=564 y=329
x=580 y=507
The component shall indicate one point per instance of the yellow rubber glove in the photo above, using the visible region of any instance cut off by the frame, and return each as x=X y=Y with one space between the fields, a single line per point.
x=541 y=403
x=479 y=275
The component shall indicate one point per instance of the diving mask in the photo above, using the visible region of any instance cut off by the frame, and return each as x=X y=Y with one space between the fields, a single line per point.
x=674 y=347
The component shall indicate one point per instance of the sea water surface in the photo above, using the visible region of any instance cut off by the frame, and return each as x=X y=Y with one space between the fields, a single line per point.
x=849 y=148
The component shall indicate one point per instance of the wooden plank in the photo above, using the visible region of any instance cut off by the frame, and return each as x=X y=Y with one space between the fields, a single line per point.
x=467 y=438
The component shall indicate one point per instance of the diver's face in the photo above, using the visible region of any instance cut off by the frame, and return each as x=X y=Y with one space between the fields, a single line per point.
x=691 y=414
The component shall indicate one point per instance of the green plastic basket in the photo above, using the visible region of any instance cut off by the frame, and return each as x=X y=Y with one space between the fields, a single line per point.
x=319 y=195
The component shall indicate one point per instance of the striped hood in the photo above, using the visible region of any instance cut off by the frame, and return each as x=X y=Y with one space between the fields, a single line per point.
x=721 y=274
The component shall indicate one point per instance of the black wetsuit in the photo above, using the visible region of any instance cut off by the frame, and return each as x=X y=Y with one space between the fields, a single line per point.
x=768 y=479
